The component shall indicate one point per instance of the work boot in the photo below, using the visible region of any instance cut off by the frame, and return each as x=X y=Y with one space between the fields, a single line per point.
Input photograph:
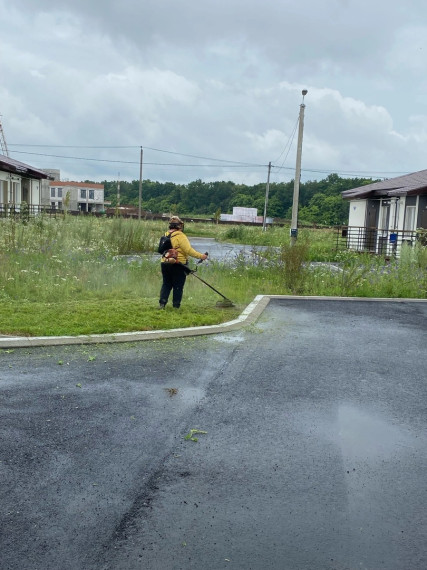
x=162 y=305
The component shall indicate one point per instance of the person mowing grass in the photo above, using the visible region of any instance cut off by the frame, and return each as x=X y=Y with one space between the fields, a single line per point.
x=174 y=263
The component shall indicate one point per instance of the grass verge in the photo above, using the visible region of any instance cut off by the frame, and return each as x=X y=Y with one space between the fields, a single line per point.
x=94 y=317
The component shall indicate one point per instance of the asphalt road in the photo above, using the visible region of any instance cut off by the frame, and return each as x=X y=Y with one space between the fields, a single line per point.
x=314 y=456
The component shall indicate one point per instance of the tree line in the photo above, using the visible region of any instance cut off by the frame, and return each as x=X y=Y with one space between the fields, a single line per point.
x=319 y=200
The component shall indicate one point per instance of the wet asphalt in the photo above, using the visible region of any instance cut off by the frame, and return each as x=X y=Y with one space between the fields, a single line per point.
x=314 y=456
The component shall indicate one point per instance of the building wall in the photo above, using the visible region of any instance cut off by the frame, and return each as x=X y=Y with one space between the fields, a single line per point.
x=357 y=213
x=44 y=194
x=4 y=187
x=53 y=173
x=35 y=187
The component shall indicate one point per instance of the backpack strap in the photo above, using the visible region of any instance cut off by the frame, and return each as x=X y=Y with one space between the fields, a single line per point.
x=171 y=233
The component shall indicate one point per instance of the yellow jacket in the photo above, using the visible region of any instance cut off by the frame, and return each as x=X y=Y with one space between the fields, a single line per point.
x=181 y=243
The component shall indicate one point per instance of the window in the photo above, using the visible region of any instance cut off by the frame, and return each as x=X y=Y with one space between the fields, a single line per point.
x=91 y=194
x=52 y=192
x=83 y=193
x=59 y=192
x=384 y=215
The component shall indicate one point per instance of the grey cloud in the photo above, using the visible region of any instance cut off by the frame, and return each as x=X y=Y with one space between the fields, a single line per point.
x=220 y=79
x=286 y=29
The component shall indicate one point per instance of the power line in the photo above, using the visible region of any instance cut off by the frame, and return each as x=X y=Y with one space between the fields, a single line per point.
x=228 y=164
x=74 y=157
x=288 y=144
x=368 y=173
x=72 y=146
x=130 y=147
x=225 y=163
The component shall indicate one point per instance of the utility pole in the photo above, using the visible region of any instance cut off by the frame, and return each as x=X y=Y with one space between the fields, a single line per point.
x=294 y=223
x=267 y=189
x=118 y=190
x=140 y=186
x=3 y=144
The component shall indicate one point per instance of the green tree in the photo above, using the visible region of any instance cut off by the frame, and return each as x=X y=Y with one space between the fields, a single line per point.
x=319 y=200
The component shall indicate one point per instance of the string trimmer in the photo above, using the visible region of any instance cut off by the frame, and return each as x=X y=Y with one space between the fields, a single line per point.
x=225 y=302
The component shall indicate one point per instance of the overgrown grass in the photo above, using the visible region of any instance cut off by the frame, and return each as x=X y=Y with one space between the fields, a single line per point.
x=51 y=236
x=67 y=277
x=319 y=244
x=365 y=275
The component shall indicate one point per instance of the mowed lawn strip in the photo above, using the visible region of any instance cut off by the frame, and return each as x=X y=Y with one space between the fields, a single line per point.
x=72 y=318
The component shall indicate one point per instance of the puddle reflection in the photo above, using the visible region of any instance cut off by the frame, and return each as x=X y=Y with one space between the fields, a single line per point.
x=362 y=435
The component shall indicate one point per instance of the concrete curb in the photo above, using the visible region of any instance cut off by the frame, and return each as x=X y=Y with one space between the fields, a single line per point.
x=247 y=317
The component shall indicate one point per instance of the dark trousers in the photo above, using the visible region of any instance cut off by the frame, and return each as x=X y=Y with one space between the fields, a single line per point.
x=173 y=280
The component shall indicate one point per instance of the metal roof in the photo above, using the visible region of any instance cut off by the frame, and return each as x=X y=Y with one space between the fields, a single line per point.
x=11 y=165
x=409 y=184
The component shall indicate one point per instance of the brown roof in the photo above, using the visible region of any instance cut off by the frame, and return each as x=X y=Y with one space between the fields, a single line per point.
x=78 y=184
x=11 y=165
x=409 y=184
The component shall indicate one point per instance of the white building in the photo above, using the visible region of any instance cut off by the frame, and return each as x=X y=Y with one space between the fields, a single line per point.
x=76 y=196
x=249 y=215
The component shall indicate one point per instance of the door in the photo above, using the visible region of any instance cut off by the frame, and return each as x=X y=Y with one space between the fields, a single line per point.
x=372 y=216
x=384 y=221
x=422 y=213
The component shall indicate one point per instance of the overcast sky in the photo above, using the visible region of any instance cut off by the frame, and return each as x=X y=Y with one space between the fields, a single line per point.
x=214 y=79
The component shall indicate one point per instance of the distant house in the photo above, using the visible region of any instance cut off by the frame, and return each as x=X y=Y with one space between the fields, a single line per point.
x=248 y=215
x=19 y=183
x=385 y=214
x=76 y=196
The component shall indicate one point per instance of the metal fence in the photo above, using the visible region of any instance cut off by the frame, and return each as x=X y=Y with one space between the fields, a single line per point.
x=19 y=211
x=375 y=240
x=26 y=211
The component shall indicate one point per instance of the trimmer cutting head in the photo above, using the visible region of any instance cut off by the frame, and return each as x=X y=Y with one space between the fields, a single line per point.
x=224 y=304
